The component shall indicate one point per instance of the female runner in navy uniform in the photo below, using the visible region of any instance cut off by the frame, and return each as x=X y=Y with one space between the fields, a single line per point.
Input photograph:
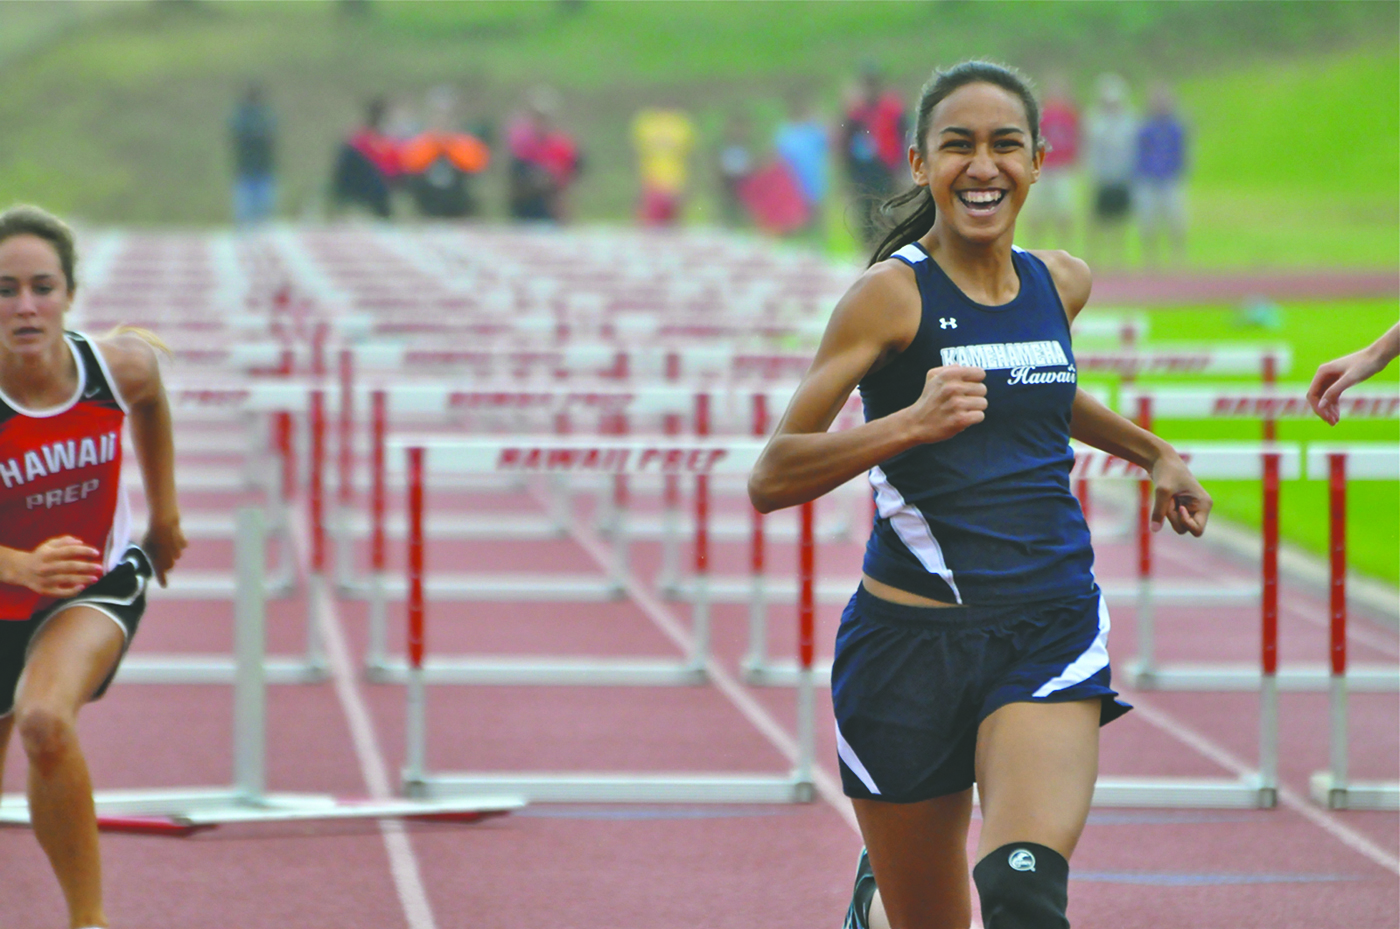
x=72 y=587
x=975 y=648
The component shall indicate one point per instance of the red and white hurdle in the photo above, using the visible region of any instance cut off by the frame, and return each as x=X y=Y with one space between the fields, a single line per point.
x=1338 y=465
x=698 y=458
x=184 y=810
x=1232 y=402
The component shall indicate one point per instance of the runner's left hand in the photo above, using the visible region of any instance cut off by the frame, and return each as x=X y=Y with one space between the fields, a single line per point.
x=163 y=544
x=1180 y=499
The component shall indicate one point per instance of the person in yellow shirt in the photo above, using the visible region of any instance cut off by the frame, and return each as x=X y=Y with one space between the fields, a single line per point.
x=663 y=139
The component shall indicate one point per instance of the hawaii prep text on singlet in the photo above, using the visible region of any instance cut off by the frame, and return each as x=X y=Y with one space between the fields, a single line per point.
x=60 y=473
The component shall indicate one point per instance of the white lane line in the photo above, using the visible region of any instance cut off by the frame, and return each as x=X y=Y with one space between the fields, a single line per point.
x=828 y=787
x=403 y=865
x=1301 y=805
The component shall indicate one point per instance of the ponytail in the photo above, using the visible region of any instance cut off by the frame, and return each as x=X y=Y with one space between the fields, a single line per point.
x=910 y=229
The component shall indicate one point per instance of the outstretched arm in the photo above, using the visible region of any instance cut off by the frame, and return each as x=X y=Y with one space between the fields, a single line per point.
x=133 y=363
x=1337 y=375
x=1180 y=499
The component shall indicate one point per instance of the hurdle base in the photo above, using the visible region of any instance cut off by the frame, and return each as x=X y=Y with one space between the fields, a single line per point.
x=618 y=788
x=513 y=670
x=537 y=588
x=180 y=811
x=214 y=669
x=1229 y=677
x=1246 y=793
x=784 y=673
x=1355 y=795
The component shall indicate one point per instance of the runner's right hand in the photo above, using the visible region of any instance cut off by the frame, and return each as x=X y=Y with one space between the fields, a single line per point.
x=954 y=398
x=59 y=567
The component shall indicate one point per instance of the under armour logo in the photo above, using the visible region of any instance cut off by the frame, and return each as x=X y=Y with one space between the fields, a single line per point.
x=946 y=322
x=1021 y=860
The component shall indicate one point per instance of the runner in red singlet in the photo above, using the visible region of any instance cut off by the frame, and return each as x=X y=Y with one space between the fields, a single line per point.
x=72 y=586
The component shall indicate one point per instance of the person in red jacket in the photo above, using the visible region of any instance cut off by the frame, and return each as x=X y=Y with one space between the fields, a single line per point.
x=544 y=160
x=873 y=143
x=72 y=585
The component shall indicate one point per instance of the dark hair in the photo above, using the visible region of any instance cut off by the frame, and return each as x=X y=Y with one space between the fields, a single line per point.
x=31 y=220
x=943 y=83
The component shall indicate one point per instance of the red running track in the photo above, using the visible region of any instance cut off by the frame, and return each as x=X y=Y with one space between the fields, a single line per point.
x=658 y=867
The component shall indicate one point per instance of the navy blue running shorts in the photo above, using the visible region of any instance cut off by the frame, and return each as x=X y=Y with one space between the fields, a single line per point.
x=911 y=684
x=120 y=594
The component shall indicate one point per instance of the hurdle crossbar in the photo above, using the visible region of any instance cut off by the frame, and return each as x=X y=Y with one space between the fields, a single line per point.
x=543 y=455
x=1338 y=465
x=179 y=811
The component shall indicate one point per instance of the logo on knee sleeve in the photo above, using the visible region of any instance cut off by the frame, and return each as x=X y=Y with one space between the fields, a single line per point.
x=1021 y=860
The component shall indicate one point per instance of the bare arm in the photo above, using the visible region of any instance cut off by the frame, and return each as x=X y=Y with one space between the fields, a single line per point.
x=1180 y=499
x=137 y=373
x=1337 y=375
x=875 y=320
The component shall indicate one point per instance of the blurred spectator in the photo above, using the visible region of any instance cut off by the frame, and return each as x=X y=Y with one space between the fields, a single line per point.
x=1161 y=171
x=802 y=143
x=367 y=165
x=544 y=160
x=254 y=131
x=1111 y=140
x=439 y=162
x=1052 y=203
x=735 y=164
x=663 y=139
x=875 y=147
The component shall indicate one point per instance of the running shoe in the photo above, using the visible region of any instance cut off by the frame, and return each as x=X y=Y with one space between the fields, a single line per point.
x=858 y=913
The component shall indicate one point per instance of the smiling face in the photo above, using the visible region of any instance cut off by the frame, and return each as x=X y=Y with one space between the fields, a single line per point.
x=979 y=160
x=34 y=295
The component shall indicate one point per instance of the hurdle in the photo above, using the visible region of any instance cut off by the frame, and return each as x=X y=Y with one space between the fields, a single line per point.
x=280 y=398
x=1338 y=464
x=1259 y=789
x=1230 y=401
x=698 y=458
x=669 y=402
x=182 y=811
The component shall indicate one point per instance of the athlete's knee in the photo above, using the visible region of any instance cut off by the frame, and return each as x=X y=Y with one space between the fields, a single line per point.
x=1023 y=886
x=48 y=734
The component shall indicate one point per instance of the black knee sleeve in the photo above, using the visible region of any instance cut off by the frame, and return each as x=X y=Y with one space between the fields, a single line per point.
x=1023 y=886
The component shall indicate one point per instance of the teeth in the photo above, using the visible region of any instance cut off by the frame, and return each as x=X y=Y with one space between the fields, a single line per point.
x=981 y=196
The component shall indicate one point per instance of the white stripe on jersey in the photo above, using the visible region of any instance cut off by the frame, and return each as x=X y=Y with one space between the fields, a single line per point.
x=1093 y=660
x=912 y=528
x=848 y=755
x=911 y=253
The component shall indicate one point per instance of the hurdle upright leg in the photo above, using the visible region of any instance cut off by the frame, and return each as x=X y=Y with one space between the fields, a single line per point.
x=376 y=660
x=1334 y=787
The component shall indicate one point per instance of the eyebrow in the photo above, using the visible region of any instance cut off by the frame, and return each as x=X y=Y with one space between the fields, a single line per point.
x=1004 y=130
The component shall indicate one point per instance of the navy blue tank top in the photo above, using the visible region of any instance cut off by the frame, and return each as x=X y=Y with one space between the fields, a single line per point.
x=985 y=516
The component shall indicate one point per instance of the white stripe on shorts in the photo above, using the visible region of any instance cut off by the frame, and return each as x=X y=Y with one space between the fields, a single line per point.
x=1093 y=660
x=848 y=755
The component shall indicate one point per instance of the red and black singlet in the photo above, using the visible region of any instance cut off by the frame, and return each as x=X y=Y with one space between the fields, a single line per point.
x=60 y=473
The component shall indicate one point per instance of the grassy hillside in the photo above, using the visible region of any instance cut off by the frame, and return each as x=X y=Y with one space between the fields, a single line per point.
x=121 y=117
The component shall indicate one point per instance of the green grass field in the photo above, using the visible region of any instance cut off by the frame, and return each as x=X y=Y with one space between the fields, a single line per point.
x=116 y=113
x=1317 y=332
